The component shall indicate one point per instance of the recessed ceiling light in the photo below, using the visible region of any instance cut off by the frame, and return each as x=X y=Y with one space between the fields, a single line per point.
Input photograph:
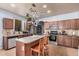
x=48 y=11
x=12 y=5
x=44 y=6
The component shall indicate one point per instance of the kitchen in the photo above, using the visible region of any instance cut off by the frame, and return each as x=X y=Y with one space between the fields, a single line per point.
x=25 y=33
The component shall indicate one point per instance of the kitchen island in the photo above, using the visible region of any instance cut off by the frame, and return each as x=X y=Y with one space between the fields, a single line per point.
x=23 y=45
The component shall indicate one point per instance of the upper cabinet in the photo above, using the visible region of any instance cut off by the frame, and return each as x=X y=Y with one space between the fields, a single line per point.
x=68 y=24
x=7 y=23
x=17 y=25
x=55 y=23
x=60 y=24
x=77 y=23
x=73 y=24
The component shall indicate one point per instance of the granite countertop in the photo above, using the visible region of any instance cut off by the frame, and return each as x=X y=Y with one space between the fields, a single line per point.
x=67 y=35
x=30 y=38
x=13 y=35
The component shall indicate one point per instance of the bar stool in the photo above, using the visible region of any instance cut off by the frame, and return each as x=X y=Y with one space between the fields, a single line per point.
x=46 y=41
x=39 y=49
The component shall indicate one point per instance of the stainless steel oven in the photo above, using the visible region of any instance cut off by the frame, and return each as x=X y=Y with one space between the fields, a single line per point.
x=53 y=35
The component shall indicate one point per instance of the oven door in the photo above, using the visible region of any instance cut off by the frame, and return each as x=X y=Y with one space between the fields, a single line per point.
x=52 y=37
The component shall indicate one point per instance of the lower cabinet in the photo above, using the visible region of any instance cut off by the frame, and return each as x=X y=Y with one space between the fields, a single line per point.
x=74 y=42
x=68 y=41
x=10 y=42
x=60 y=40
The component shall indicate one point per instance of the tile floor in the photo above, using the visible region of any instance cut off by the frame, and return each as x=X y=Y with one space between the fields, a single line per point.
x=11 y=52
x=54 y=50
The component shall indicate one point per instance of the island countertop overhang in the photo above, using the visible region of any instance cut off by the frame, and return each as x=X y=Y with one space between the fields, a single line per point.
x=30 y=38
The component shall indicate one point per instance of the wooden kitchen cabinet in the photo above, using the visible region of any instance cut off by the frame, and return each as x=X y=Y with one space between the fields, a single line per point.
x=68 y=41
x=77 y=23
x=64 y=40
x=73 y=24
x=70 y=24
x=46 y=25
x=75 y=42
x=55 y=23
x=10 y=42
x=60 y=40
x=7 y=23
x=67 y=24
x=64 y=24
x=60 y=24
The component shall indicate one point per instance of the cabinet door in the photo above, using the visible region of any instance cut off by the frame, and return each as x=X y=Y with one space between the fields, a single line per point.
x=67 y=41
x=64 y=24
x=68 y=24
x=74 y=42
x=60 y=24
x=55 y=23
x=77 y=23
x=73 y=24
x=60 y=40
x=17 y=25
x=46 y=25
x=7 y=23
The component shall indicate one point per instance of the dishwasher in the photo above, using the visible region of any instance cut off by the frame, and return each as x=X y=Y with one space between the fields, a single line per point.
x=11 y=43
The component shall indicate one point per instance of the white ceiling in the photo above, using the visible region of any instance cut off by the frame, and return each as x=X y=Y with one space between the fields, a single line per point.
x=56 y=8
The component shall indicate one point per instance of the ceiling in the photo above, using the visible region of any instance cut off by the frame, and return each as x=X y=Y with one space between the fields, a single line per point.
x=56 y=8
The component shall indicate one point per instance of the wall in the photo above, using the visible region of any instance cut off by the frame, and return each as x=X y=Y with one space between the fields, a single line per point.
x=72 y=15
x=6 y=14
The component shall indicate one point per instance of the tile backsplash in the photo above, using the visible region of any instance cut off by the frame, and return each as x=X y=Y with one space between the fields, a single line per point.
x=68 y=32
x=72 y=32
x=11 y=32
